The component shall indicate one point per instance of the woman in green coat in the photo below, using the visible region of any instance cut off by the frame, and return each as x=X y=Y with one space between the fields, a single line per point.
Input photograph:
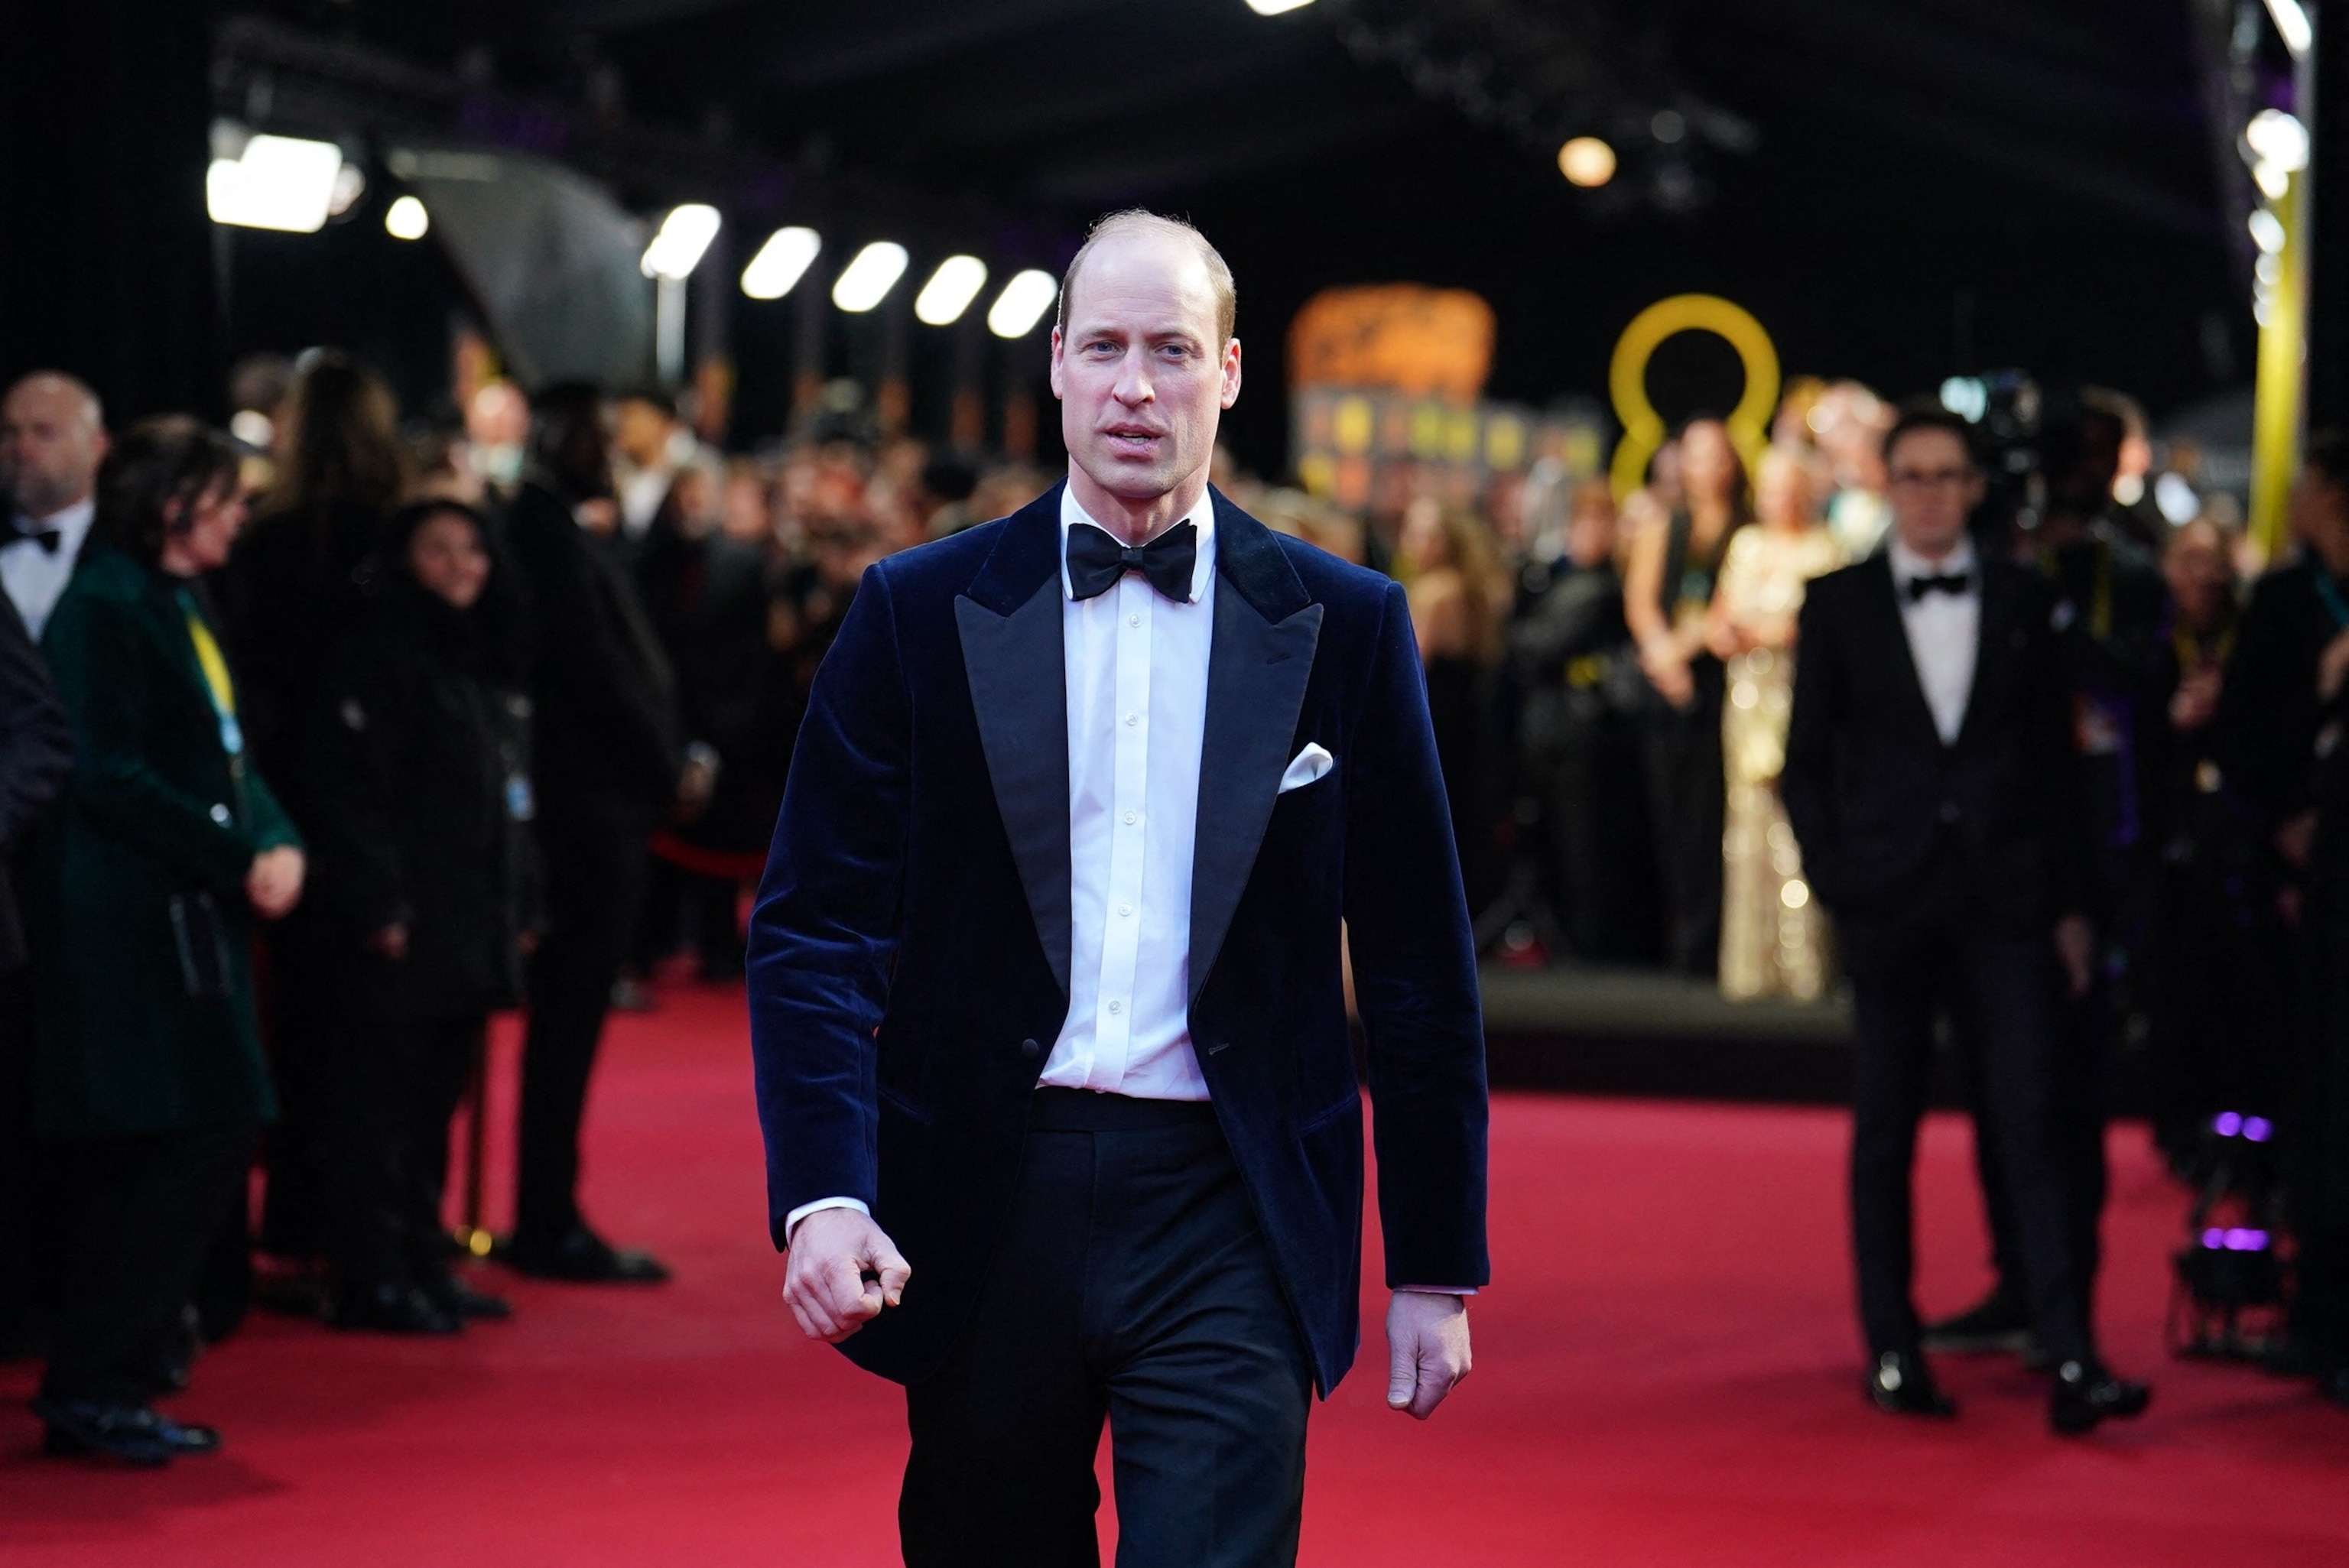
x=164 y=848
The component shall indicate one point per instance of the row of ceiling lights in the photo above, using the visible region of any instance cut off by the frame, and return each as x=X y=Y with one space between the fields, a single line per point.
x=867 y=280
x=294 y=185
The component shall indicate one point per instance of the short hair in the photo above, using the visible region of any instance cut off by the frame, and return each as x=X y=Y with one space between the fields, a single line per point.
x=1916 y=416
x=167 y=459
x=1133 y=219
x=73 y=386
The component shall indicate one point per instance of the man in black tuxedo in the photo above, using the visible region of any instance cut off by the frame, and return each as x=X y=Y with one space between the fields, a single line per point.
x=1929 y=777
x=1062 y=1120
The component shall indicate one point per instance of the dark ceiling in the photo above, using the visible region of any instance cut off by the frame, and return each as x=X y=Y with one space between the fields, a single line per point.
x=1897 y=190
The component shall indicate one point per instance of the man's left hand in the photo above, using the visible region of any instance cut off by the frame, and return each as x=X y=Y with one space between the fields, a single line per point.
x=2076 y=946
x=1427 y=1349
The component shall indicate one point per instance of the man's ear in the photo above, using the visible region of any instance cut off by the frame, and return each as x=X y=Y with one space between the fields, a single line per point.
x=1057 y=391
x=1231 y=372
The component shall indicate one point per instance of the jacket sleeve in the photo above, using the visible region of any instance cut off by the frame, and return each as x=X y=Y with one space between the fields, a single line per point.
x=1415 y=977
x=105 y=673
x=36 y=741
x=1807 y=784
x=825 y=927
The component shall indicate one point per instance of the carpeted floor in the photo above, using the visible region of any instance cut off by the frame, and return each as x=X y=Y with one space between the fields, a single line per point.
x=1666 y=1375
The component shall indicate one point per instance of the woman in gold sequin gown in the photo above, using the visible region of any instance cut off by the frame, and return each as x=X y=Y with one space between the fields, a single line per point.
x=1774 y=935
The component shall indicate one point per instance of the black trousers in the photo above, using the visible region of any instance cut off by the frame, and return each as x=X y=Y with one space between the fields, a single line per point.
x=1940 y=948
x=1135 y=1285
x=433 y=1061
x=148 y=1207
x=594 y=883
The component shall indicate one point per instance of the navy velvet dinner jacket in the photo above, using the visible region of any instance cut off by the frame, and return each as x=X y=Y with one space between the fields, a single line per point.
x=909 y=951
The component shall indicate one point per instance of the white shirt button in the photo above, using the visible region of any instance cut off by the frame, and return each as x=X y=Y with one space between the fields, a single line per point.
x=1129 y=818
x=1125 y=909
x=1117 y=1007
x=1132 y=720
x=1134 y=620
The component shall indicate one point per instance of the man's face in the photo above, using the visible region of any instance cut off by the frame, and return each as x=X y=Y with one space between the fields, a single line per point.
x=2199 y=574
x=50 y=443
x=1142 y=373
x=1933 y=485
x=641 y=431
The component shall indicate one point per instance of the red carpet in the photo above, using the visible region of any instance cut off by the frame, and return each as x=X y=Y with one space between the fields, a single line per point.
x=1666 y=1375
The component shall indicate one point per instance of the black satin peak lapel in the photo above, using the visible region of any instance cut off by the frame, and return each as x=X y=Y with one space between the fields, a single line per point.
x=1009 y=624
x=1257 y=674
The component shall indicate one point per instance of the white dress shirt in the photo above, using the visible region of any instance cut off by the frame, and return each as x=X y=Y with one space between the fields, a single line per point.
x=1135 y=669
x=1944 y=630
x=34 y=577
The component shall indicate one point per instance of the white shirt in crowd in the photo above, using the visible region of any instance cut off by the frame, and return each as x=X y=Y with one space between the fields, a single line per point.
x=34 y=577
x=1135 y=668
x=1944 y=630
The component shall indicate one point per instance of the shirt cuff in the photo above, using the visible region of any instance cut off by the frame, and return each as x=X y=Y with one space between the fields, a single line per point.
x=1414 y=1289
x=792 y=1221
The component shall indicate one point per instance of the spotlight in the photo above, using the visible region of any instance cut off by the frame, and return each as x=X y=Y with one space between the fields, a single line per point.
x=406 y=219
x=281 y=182
x=2267 y=231
x=1586 y=162
x=780 y=261
x=1275 y=7
x=1023 y=304
x=684 y=235
x=2173 y=495
x=1967 y=397
x=950 y=290
x=2278 y=138
x=869 y=276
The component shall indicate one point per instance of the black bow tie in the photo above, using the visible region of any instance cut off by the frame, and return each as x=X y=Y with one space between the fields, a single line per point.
x=1956 y=583
x=48 y=539
x=1096 y=560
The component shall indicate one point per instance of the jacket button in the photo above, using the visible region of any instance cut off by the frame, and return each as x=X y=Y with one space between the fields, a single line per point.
x=1031 y=1048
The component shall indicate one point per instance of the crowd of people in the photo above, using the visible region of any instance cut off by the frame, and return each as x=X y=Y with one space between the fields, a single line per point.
x=496 y=711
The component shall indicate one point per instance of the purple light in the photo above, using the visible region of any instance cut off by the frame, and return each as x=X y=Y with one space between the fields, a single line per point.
x=2257 y=1129
x=2228 y=1123
x=2214 y=1239
x=2241 y=1240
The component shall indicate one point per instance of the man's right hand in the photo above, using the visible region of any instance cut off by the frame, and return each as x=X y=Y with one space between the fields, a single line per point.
x=825 y=1281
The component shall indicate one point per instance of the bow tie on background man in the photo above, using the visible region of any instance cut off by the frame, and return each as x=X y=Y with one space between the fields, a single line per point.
x=1955 y=583
x=46 y=537
x=1096 y=560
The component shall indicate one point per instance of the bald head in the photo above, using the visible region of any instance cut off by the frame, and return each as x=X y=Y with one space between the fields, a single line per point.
x=1137 y=226
x=52 y=437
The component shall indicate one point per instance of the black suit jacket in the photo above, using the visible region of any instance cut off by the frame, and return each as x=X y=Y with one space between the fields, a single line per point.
x=1872 y=790
x=35 y=752
x=910 y=949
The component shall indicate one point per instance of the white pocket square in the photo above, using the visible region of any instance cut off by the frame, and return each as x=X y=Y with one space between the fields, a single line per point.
x=1310 y=764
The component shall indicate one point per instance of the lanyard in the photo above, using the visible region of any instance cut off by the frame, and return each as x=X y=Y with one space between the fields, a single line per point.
x=218 y=687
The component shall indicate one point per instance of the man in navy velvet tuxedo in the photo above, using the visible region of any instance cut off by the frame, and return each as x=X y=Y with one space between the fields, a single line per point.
x=1061 y=1118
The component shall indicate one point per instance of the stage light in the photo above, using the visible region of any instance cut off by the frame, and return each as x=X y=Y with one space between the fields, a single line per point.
x=2291 y=26
x=1023 y=304
x=281 y=182
x=2273 y=182
x=1967 y=397
x=950 y=290
x=1586 y=162
x=2174 y=497
x=684 y=235
x=869 y=276
x=2267 y=231
x=2278 y=139
x=1275 y=7
x=780 y=261
x=406 y=219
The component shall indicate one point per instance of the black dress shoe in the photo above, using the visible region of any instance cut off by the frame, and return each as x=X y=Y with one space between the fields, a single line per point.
x=1899 y=1384
x=389 y=1308
x=131 y=1433
x=2087 y=1395
x=583 y=1257
x=459 y=1300
x=2000 y=1321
